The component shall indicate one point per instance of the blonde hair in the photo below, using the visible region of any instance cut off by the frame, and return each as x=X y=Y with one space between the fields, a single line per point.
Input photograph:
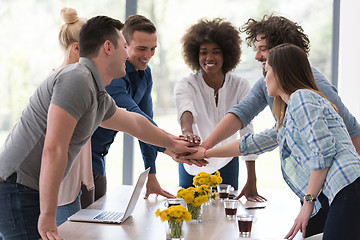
x=70 y=30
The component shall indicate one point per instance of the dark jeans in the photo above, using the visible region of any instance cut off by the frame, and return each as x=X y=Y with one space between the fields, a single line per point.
x=88 y=197
x=65 y=211
x=19 y=212
x=343 y=218
x=340 y=220
x=229 y=174
x=316 y=223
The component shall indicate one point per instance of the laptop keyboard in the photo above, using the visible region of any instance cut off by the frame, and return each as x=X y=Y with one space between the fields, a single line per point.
x=108 y=216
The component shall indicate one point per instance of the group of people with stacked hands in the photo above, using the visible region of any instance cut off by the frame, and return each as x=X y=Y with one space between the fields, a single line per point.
x=104 y=86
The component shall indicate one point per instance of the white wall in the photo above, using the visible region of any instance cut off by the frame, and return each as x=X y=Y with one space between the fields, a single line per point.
x=349 y=56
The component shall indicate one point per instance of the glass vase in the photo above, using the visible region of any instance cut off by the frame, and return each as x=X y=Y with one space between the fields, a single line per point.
x=196 y=212
x=174 y=230
x=210 y=197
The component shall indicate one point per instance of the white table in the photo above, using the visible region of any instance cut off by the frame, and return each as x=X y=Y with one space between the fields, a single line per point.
x=272 y=222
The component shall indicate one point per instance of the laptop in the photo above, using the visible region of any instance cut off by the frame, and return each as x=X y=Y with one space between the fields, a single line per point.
x=104 y=216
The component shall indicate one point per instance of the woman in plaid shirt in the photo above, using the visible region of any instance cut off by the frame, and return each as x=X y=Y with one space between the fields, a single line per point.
x=318 y=160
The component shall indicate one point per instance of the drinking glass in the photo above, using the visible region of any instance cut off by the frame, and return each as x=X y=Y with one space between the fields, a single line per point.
x=245 y=223
x=173 y=202
x=223 y=191
x=231 y=207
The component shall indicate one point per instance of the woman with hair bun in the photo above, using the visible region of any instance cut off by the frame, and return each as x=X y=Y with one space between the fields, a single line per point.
x=69 y=36
x=81 y=171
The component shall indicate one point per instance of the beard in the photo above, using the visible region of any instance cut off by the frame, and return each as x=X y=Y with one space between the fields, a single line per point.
x=263 y=61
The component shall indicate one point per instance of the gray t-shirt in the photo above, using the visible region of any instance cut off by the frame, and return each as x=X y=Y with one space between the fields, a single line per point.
x=77 y=89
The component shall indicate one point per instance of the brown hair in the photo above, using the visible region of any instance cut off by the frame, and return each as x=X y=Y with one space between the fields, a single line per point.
x=137 y=23
x=218 y=31
x=292 y=70
x=276 y=30
x=95 y=32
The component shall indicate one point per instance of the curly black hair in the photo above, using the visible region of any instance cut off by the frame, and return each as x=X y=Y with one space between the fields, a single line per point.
x=218 y=31
x=276 y=30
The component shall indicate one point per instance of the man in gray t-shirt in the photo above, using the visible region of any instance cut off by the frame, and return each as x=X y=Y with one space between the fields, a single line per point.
x=265 y=34
x=61 y=115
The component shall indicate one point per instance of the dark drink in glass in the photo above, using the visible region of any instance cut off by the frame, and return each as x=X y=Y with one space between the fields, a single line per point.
x=231 y=206
x=173 y=202
x=224 y=195
x=230 y=211
x=245 y=224
x=224 y=191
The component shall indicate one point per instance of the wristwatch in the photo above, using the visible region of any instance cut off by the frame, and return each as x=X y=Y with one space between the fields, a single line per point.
x=309 y=198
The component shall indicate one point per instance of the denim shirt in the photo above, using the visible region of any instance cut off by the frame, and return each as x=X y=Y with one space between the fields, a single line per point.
x=313 y=136
x=133 y=92
x=257 y=99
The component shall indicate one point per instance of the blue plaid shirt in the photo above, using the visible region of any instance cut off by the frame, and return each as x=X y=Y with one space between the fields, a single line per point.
x=313 y=136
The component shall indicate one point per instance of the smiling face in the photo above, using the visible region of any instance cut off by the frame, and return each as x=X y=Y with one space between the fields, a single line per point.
x=262 y=51
x=141 y=49
x=211 y=58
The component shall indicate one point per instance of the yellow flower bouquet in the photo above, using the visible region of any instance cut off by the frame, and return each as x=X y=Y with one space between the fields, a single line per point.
x=194 y=198
x=212 y=180
x=175 y=216
x=203 y=178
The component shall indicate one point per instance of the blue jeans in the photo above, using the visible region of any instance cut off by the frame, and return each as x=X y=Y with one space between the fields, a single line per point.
x=343 y=217
x=19 y=212
x=229 y=174
x=65 y=211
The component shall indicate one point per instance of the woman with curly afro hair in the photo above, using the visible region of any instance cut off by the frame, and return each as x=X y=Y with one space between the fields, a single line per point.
x=211 y=48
